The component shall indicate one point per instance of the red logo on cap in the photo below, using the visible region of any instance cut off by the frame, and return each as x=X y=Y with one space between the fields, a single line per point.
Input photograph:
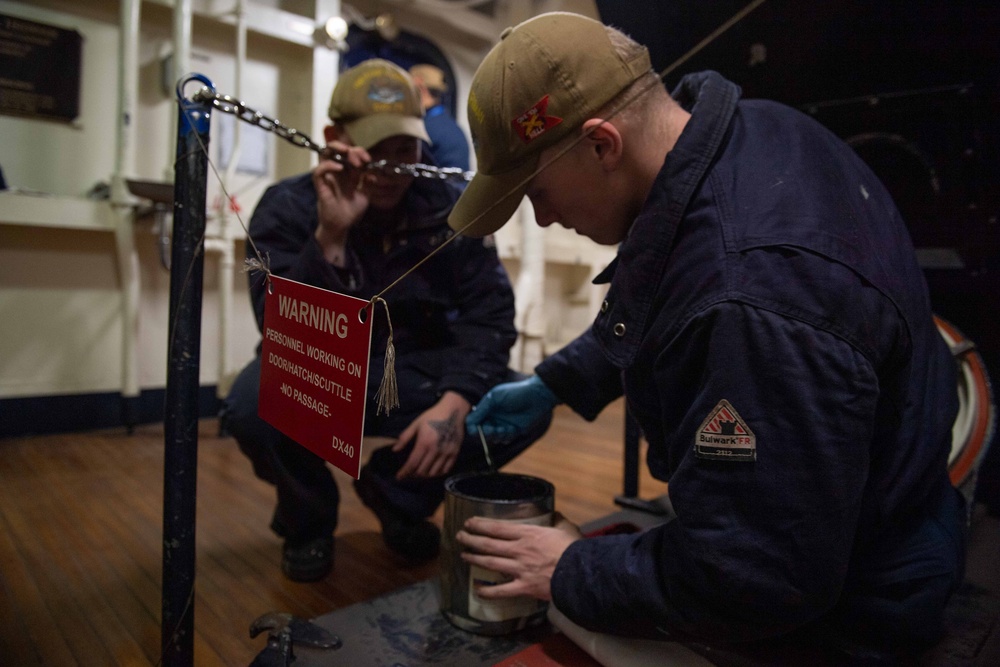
x=535 y=121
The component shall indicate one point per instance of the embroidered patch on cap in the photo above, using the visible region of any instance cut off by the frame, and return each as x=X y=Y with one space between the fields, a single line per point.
x=725 y=436
x=385 y=94
x=535 y=121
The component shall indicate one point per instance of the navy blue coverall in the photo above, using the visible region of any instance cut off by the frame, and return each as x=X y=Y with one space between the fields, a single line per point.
x=773 y=333
x=452 y=325
x=449 y=145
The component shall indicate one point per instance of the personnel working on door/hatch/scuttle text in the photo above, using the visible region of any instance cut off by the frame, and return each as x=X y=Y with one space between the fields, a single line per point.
x=771 y=329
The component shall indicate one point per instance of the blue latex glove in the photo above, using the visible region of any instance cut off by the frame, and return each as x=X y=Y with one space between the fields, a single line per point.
x=509 y=409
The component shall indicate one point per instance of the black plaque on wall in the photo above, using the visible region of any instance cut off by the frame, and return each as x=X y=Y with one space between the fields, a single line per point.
x=39 y=70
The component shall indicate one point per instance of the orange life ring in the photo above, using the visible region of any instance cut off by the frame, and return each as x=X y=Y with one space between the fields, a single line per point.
x=975 y=423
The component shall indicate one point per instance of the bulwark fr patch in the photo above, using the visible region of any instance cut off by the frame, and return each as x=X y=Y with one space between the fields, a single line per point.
x=725 y=436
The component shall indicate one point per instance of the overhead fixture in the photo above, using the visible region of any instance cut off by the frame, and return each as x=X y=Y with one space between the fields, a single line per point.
x=386 y=27
x=336 y=28
x=384 y=23
x=334 y=33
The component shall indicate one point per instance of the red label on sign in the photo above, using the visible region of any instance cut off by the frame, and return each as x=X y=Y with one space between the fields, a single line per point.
x=314 y=369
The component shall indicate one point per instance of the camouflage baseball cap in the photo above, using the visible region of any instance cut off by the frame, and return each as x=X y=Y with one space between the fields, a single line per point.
x=543 y=79
x=375 y=100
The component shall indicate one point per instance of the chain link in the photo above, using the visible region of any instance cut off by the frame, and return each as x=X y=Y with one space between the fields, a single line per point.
x=229 y=105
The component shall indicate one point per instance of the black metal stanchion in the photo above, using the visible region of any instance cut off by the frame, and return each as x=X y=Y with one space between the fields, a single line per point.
x=630 y=497
x=183 y=352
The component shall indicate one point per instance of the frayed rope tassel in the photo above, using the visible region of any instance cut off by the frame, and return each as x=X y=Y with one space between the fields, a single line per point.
x=387 y=397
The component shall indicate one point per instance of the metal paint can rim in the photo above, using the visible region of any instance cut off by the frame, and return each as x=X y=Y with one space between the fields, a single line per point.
x=538 y=488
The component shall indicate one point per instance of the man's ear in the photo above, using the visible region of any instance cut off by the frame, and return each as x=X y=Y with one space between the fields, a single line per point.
x=604 y=139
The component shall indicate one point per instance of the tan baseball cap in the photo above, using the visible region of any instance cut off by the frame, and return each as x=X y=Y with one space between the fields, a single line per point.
x=376 y=99
x=543 y=79
x=432 y=77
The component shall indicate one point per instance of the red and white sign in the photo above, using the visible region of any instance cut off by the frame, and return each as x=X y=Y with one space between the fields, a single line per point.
x=314 y=369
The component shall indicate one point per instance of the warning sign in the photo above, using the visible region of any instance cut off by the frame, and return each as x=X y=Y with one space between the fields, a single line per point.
x=724 y=435
x=314 y=369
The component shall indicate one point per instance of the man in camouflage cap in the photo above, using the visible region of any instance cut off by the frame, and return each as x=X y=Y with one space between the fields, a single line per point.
x=354 y=230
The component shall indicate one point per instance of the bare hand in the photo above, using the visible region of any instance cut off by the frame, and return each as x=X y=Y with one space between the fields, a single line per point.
x=340 y=200
x=527 y=554
x=437 y=436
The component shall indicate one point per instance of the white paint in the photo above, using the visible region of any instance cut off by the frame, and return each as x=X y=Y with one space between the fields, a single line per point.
x=64 y=283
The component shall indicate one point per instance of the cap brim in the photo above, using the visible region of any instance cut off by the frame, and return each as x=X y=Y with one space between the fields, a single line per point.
x=369 y=130
x=489 y=201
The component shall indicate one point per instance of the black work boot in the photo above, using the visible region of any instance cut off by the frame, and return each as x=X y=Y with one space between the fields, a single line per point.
x=415 y=540
x=308 y=560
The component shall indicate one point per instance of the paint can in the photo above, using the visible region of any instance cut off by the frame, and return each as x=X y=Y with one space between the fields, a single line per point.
x=494 y=495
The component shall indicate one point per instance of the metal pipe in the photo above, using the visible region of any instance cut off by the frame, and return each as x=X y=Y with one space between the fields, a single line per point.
x=181 y=58
x=530 y=292
x=128 y=86
x=128 y=277
x=241 y=56
x=226 y=259
x=122 y=205
x=182 y=38
x=631 y=456
x=325 y=70
x=187 y=267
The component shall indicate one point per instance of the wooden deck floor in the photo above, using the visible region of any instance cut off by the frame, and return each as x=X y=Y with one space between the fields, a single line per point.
x=81 y=554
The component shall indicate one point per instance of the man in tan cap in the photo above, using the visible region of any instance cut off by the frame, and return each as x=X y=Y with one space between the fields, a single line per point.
x=448 y=144
x=354 y=230
x=770 y=327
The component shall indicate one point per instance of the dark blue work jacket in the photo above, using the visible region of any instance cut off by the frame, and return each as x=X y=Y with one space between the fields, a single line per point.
x=452 y=318
x=773 y=334
x=449 y=146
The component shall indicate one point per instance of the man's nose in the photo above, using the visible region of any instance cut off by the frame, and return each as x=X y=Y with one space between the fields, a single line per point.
x=544 y=217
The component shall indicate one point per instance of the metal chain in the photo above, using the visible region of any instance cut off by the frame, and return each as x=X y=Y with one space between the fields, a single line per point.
x=227 y=104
